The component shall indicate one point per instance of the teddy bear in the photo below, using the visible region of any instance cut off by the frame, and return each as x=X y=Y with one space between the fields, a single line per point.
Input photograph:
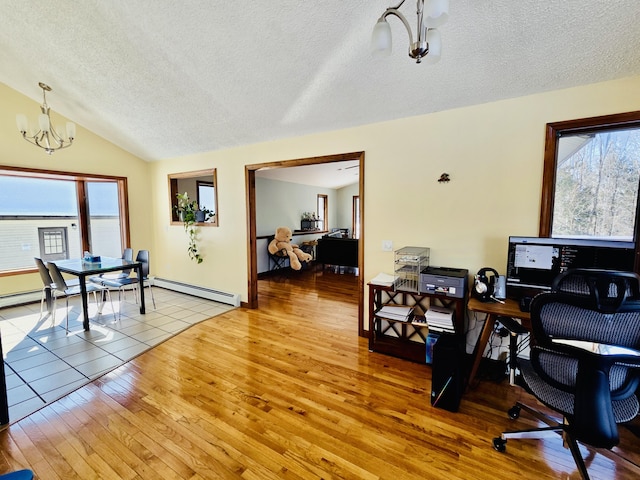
x=281 y=245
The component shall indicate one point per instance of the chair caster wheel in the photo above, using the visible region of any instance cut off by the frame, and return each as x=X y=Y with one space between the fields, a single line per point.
x=499 y=444
x=514 y=412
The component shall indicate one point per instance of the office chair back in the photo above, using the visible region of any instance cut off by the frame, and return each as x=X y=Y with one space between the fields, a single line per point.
x=602 y=307
x=606 y=290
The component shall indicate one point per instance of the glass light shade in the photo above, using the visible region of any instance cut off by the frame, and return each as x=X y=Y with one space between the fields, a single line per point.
x=22 y=122
x=435 y=46
x=437 y=12
x=43 y=121
x=381 y=39
x=71 y=130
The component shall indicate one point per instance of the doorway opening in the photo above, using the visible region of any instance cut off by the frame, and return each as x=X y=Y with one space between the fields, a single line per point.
x=250 y=180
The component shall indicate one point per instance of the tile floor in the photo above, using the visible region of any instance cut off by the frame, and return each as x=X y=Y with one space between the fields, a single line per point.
x=43 y=363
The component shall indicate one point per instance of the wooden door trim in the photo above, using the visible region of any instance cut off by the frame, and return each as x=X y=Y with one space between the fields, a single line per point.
x=250 y=188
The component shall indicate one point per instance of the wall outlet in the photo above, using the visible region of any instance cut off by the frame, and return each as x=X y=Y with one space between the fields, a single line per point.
x=387 y=246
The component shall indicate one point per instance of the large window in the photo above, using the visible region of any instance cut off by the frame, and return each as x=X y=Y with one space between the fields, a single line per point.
x=592 y=179
x=57 y=215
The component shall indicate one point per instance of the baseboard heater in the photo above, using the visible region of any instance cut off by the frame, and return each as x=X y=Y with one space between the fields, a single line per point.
x=17 y=299
x=196 y=291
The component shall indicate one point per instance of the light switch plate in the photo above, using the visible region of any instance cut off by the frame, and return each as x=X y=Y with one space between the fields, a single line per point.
x=387 y=246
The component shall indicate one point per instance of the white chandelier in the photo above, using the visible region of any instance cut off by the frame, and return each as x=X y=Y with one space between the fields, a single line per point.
x=45 y=136
x=427 y=44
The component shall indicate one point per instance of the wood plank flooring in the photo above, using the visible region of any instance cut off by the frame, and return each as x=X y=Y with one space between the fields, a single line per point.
x=285 y=391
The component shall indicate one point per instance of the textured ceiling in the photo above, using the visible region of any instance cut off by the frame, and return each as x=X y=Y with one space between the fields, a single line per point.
x=164 y=78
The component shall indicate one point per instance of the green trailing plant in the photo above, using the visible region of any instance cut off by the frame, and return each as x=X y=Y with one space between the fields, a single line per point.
x=190 y=214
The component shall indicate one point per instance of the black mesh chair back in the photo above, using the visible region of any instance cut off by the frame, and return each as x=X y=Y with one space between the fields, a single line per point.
x=591 y=306
x=606 y=290
x=585 y=356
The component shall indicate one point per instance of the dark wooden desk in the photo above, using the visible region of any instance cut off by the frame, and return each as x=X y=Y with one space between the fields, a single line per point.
x=510 y=308
x=83 y=270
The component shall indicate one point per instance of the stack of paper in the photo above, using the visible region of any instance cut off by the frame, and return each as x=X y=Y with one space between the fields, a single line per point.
x=383 y=279
x=399 y=313
x=440 y=319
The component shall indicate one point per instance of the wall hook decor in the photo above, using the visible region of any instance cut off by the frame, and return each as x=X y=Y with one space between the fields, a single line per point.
x=444 y=178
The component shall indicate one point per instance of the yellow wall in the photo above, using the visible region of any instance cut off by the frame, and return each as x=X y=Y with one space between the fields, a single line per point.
x=89 y=154
x=492 y=152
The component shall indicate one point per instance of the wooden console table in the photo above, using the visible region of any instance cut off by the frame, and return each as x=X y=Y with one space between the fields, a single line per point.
x=406 y=339
x=510 y=308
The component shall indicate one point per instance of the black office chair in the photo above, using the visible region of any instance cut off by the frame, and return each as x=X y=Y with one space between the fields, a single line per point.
x=585 y=359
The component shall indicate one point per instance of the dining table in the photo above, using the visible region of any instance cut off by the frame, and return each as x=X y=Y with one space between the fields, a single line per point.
x=83 y=269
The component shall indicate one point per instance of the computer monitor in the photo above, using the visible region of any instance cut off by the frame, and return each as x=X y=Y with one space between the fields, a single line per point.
x=533 y=262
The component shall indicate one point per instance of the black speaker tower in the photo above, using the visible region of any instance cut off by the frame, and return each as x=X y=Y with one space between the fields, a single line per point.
x=447 y=372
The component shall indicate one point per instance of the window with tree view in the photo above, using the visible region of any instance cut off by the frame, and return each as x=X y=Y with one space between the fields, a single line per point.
x=591 y=179
x=596 y=190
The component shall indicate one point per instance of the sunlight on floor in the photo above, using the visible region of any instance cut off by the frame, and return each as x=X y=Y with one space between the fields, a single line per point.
x=43 y=362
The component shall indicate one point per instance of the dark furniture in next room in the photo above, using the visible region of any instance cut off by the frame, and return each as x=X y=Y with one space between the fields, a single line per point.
x=337 y=251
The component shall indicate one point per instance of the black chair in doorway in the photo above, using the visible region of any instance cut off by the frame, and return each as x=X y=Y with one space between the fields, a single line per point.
x=278 y=260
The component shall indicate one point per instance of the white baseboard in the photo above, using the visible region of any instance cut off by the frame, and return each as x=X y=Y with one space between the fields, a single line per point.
x=196 y=291
x=215 y=295
x=20 y=299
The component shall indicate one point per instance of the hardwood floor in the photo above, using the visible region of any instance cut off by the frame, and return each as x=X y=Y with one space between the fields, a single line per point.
x=285 y=391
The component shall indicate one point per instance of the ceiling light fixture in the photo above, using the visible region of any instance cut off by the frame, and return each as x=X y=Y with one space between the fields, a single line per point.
x=428 y=44
x=45 y=136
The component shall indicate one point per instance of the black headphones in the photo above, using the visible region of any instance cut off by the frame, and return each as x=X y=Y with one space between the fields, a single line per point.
x=484 y=285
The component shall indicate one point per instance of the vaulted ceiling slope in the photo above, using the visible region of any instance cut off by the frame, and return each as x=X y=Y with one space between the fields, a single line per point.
x=163 y=78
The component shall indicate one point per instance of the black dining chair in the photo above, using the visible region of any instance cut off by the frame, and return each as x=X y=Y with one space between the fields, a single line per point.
x=121 y=284
x=61 y=288
x=127 y=254
x=585 y=360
